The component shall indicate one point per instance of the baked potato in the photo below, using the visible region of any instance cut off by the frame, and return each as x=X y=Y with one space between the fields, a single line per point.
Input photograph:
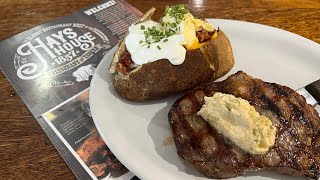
x=160 y=78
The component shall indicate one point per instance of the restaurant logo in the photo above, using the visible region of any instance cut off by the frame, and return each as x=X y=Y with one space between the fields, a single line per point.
x=56 y=49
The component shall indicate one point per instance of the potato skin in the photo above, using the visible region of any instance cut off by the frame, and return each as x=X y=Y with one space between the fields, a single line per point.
x=160 y=78
x=220 y=54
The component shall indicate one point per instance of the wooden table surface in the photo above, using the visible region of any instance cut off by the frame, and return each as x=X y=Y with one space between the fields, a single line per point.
x=26 y=152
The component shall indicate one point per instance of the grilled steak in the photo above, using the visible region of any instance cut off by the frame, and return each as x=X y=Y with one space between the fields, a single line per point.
x=297 y=147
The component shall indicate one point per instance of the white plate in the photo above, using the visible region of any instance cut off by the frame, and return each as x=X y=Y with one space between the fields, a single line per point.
x=139 y=133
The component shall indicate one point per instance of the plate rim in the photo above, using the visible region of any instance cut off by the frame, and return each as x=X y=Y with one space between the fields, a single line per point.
x=131 y=166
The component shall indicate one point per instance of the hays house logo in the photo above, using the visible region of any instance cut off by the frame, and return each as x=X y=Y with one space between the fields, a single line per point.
x=56 y=49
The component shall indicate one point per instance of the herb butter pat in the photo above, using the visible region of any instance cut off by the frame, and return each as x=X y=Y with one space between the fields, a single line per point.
x=239 y=122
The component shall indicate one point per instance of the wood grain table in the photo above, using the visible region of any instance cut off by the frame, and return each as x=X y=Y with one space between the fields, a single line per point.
x=26 y=152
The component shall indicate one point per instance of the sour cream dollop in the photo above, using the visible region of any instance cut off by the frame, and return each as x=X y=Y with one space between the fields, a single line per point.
x=172 y=49
x=170 y=39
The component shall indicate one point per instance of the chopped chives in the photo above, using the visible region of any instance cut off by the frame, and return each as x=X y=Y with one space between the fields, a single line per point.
x=154 y=34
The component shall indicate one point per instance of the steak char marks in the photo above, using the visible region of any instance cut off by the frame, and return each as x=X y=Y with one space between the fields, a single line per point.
x=297 y=147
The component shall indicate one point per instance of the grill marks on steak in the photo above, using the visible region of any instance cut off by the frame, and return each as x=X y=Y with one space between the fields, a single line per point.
x=297 y=147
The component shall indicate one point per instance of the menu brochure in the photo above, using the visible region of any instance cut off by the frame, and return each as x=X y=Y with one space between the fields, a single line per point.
x=51 y=66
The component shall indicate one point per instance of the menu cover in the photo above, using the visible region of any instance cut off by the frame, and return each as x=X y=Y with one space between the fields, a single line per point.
x=51 y=66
